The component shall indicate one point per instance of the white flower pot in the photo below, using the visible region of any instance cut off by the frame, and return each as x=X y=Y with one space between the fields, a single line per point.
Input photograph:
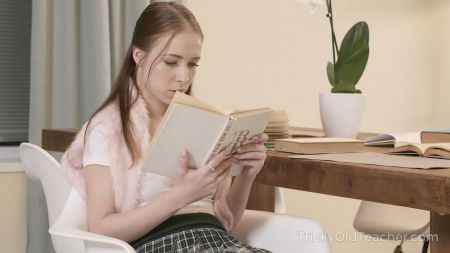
x=341 y=113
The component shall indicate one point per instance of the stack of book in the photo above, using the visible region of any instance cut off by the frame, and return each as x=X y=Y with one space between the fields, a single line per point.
x=277 y=128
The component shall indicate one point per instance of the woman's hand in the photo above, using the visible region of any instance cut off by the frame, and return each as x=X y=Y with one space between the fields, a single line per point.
x=252 y=155
x=196 y=184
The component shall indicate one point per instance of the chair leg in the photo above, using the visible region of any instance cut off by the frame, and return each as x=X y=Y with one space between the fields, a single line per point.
x=426 y=242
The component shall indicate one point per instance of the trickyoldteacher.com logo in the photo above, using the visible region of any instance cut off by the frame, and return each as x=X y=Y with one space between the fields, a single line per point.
x=346 y=236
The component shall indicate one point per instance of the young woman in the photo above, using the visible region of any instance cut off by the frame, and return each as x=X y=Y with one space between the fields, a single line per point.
x=193 y=212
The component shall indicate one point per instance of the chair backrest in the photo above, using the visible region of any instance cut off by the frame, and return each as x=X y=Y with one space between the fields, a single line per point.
x=72 y=217
x=41 y=166
x=70 y=231
x=381 y=219
x=66 y=209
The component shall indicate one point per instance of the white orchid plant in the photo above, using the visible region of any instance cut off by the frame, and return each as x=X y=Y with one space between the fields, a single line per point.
x=345 y=71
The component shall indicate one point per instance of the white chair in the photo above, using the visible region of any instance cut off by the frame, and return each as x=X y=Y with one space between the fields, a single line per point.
x=392 y=221
x=68 y=221
x=280 y=202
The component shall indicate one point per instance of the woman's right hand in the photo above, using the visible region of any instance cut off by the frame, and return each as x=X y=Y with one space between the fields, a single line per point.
x=196 y=184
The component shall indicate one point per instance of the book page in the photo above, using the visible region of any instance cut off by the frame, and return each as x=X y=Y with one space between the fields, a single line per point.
x=443 y=146
x=391 y=139
x=240 y=131
x=441 y=150
x=407 y=148
x=182 y=98
x=410 y=137
x=243 y=113
x=438 y=153
x=243 y=128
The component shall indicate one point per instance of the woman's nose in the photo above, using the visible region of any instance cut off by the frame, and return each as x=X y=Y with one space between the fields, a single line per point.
x=183 y=75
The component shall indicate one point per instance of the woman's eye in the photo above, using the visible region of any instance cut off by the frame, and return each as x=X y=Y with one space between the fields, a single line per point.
x=193 y=65
x=171 y=63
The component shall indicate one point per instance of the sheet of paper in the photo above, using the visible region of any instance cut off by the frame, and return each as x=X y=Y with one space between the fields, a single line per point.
x=381 y=159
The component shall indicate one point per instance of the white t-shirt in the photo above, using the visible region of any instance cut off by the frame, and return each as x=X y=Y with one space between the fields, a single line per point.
x=153 y=185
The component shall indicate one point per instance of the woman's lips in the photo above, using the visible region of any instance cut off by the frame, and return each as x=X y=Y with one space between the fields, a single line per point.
x=173 y=91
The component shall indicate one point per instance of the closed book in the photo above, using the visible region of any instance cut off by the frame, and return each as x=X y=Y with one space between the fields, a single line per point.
x=325 y=145
x=203 y=131
x=435 y=136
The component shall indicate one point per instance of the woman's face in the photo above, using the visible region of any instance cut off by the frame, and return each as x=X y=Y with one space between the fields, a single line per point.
x=172 y=71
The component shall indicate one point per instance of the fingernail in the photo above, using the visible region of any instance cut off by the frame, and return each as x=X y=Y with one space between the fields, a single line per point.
x=183 y=152
x=239 y=150
x=236 y=161
x=236 y=156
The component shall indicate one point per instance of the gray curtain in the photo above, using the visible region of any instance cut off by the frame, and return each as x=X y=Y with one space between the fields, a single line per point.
x=76 y=50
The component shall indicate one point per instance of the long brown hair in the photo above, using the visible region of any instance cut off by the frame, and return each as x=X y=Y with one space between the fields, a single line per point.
x=157 y=19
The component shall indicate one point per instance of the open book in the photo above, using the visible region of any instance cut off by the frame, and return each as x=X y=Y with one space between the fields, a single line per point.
x=436 y=150
x=203 y=131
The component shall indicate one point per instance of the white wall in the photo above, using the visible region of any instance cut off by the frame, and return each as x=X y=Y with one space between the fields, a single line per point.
x=13 y=197
x=274 y=53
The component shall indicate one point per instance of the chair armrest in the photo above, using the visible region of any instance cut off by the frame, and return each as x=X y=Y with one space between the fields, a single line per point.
x=74 y=239
x=281 y=233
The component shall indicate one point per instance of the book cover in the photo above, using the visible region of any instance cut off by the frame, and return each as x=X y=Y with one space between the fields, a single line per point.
x=436 y=136
x=203 y=131
x=325 y=145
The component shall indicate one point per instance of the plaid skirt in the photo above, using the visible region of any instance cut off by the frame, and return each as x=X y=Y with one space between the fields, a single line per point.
x=201 y=237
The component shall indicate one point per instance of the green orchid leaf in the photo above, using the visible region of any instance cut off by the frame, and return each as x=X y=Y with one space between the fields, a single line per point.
x=355 y=40
x=330 y=73
x=353 y=68
x=353 y=56
x=345 y=87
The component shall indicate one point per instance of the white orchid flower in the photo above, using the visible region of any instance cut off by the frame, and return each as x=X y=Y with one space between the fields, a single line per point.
x=312 y=5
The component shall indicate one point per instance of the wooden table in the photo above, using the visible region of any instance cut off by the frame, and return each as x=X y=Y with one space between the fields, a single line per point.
x=417 y=188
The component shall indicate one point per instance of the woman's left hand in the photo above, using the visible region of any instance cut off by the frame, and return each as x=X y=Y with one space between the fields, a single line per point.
x=252 y=155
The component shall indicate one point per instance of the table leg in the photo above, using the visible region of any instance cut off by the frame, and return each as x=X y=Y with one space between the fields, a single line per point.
x=439 y=233
x=262 y=197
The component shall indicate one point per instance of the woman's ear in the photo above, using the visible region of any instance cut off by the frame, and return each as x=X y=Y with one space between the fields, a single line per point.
x=138 y=55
